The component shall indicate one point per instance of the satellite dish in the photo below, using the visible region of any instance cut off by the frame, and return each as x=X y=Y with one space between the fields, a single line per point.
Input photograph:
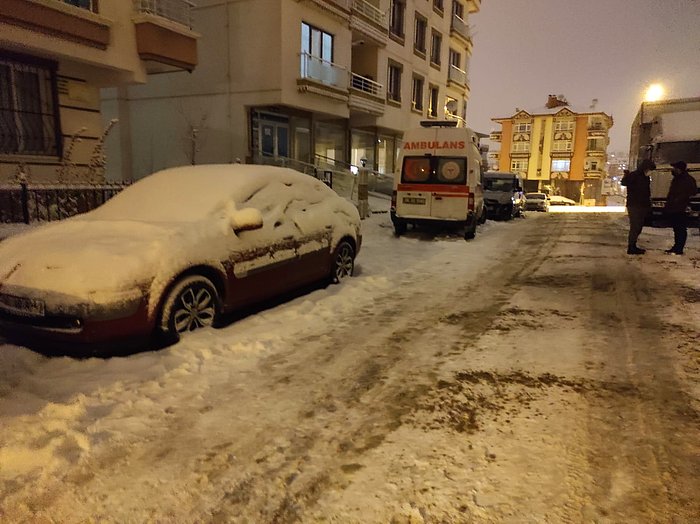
x=451 y=106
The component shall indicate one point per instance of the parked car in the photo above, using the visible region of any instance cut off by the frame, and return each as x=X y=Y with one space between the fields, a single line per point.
x=536 y=202
x=173 y=252
x=503 y=195
x=556 y=200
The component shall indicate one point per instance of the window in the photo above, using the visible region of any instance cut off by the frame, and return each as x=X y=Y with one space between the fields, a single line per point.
x=564 y=125
x=561 y=165
x=435 y=48
x=522 y=127
x=594 y=145
x=316 y=42
x=419 y=35
x=455 y=58
x=394 y=87
x=434 y=170
x=561 y=145
x=417 y=95
x=396 y=23
x=458 y=9
x=29 y=122
x=438 y=5
x=433 y=107
x=593 y=166
x=519 y=165
x=520 y=147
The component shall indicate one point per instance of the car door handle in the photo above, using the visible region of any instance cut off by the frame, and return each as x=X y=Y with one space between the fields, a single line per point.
x=438 y=198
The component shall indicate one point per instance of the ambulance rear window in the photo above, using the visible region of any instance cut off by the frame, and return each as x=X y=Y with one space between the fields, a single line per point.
x=416 y=169
x=434 y=170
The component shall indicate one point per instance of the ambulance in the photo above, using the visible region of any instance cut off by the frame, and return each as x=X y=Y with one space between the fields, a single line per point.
x=439 y=181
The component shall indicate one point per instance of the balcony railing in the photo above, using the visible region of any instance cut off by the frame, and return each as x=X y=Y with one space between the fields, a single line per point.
x=323 y=71
x=457 y=75
x=90 y=5
x=373 y=13
x=179 y=11
x=461 y=27
x=367 y=85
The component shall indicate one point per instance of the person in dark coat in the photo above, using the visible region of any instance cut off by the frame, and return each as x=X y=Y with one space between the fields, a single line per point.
x=683 y=188
x=638 y=186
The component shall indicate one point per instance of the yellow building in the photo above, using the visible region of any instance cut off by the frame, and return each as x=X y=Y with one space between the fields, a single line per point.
x=558 y=149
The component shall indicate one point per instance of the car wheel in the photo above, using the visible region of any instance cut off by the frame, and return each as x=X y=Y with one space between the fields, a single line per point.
x=343 y=262
x=192 y=303
x=470 y=231
x=482 y=217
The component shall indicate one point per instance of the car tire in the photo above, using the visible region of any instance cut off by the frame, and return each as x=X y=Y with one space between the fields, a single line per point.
x=470 y=231
x=191 y=303
x=343 y=264
x=482 y=217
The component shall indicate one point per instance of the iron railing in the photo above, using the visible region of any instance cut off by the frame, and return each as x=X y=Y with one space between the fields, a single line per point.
x=46 y=203
x=367 y=85
x=179 y=11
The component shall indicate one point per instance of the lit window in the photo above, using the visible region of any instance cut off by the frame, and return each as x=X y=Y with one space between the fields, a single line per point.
x=561 y=165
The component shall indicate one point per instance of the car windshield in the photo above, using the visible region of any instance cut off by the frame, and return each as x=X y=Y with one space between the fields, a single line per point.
x=535 y=196
x=498 y=184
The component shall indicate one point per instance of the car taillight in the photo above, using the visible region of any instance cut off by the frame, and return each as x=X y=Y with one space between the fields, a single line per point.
x=470 y=200
x=393 y=200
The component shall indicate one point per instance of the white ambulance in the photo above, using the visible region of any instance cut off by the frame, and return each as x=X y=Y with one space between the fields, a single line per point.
x=439 y=179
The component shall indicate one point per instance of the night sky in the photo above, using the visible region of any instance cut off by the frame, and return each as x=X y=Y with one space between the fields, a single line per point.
x=611 y=50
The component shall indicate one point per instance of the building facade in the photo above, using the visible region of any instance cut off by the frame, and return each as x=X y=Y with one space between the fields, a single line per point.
x=56 y=55
x=557 y=149
x=326 y=84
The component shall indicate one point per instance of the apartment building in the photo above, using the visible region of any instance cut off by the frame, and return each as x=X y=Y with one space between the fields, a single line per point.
x=330 y=84
x=56 y=55
x=558 y=148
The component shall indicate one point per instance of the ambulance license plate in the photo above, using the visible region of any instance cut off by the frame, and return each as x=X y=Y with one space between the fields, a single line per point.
x=413 y=200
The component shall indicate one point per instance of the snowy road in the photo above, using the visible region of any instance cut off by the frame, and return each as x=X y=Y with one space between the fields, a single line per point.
x=535 y=374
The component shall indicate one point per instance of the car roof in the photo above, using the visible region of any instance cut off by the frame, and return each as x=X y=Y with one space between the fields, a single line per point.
x=190 y=192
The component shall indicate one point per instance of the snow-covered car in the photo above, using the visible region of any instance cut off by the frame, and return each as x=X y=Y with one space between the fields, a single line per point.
x=556 y=200
x=536 y=201
x=173 y=252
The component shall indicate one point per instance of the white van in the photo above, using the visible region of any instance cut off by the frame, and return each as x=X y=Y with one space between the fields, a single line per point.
x=439 y=181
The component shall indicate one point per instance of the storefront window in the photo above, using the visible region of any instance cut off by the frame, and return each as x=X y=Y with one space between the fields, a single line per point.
x=386 y=154
x=362 y=148
x=330 y=142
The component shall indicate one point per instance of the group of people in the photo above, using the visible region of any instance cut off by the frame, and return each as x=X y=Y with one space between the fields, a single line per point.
x=683 y=188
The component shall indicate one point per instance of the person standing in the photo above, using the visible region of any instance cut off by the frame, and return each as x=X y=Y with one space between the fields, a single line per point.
x=638 y=186
x=683 y=188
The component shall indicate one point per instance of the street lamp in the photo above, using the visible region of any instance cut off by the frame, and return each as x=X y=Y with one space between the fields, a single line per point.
x=654 y=92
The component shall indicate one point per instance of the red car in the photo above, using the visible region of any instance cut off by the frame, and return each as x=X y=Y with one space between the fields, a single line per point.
x=173 y=252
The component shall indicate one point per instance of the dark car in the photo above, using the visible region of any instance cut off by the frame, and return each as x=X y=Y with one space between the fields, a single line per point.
x=173 y=252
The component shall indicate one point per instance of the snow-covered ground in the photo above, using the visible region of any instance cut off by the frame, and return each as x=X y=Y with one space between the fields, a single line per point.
x=534 y=374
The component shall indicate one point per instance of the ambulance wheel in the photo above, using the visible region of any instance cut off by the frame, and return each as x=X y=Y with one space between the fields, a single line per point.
x=470 y=231
x=482 y=217
x=399 y=227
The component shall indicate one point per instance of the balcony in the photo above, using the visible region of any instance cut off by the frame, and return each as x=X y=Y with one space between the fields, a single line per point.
x=322 y=77
x=369 y=22
x=457 y=75
x=460 y=29
x=366 y=95
x=494 y=155
x=164 y=36
x=76 y=21
x=597 y=131
x=340 y=8
x=595 y=152
x=593 y=174
x=474 y=6
x=496 y=136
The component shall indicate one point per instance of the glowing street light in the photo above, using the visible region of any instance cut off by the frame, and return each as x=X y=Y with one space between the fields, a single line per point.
x=654 y=92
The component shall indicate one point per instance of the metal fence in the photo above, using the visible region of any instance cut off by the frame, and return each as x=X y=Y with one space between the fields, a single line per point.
x=45 y=203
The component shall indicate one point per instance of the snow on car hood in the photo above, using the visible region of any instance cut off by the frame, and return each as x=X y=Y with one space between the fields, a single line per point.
x=79 y=257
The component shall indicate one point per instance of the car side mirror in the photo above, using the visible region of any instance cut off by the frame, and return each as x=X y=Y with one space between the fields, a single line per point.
x=246 y=219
